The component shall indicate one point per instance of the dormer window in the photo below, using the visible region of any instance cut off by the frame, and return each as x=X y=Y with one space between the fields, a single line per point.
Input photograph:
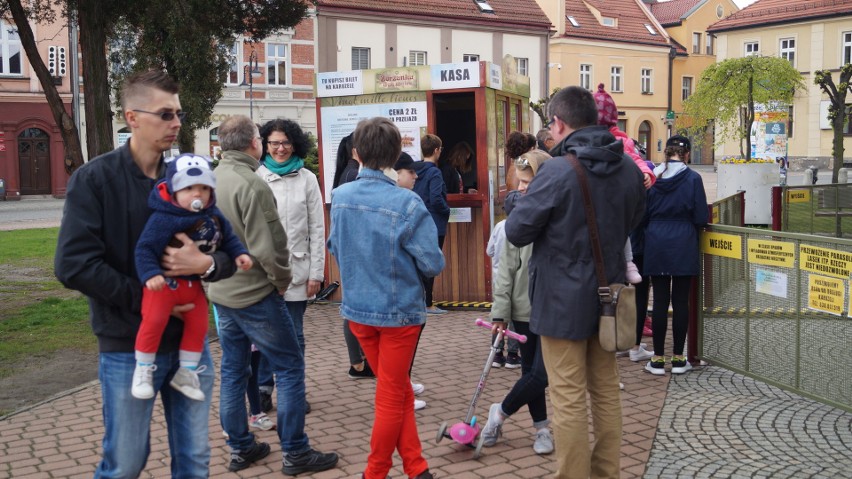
x=483 y=5
x=609 y=22
x=573 y=21
x=650 y=29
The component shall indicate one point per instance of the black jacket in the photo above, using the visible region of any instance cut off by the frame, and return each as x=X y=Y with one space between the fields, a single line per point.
x=106 y=208
x=551 y=215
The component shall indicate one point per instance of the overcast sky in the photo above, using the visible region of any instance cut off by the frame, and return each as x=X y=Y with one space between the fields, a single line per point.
x=743 y=3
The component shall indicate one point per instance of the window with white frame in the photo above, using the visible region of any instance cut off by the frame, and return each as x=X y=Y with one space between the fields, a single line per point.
x=787 y=50
x=276 y=64
x=470 y=57
x=586 y=76
x=523 y=66
x=686 y=88
x=615 y=79
x=647 y=81
x=360 y=58
x=416 y=57
x=696 y=42
x=709 y=43
x=609 y=22
x=751 y=49
x=10 y=50
x=847 y=48
x=233 y=75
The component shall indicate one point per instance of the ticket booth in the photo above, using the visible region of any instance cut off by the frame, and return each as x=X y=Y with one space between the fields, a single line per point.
x=475 y=102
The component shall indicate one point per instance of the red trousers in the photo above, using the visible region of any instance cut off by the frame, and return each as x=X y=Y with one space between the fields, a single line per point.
x=156 y=308
x=389 y=352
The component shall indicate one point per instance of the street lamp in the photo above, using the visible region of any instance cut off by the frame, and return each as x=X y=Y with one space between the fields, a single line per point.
x=249 y=71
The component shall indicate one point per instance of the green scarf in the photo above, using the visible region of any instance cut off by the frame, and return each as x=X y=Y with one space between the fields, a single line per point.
x=281 y=169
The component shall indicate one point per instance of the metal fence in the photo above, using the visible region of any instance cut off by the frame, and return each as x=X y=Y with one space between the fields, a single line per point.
x=775 y=306
x=824 y=210
x=729 y=211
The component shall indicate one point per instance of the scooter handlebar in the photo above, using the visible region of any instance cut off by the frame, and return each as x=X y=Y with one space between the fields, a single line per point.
x=509 y=334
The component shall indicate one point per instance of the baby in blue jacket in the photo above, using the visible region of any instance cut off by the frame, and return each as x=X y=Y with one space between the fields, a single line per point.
x=183 y=202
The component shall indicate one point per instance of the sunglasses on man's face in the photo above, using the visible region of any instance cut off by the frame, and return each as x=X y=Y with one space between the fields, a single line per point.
x=165 y=115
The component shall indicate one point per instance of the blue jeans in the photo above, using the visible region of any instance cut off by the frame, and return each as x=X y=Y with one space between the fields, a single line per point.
x=127 y=420
x=267 y=324
x=297 y=314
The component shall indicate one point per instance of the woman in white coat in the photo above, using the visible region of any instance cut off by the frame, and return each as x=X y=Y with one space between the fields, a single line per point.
x=300 y=209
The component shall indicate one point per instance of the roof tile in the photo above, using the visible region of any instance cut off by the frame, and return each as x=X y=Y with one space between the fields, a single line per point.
x=631 y=21
x=767 y=12
x=669 y=13
x=512 y=12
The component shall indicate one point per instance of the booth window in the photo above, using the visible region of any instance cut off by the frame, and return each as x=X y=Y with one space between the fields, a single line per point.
x=586 y=76
x=276 y=64
x=469 y=57
x=416 y=58
x=360 y=58
x=10 y=50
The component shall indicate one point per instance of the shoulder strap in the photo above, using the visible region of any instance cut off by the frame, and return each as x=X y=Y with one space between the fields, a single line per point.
x=603 y=286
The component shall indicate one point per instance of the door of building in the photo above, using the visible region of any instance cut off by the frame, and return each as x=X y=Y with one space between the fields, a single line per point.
x=34 y=161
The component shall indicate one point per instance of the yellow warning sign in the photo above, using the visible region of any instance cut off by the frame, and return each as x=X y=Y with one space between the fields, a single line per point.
x=771 y=253
x=719 y=244
x=798 y=196
x=825 y=261
x=826 y=294
x=715 y=219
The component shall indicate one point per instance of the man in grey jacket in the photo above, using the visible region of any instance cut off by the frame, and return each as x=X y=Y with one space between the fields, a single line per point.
x=251 y=310
x=563 y=286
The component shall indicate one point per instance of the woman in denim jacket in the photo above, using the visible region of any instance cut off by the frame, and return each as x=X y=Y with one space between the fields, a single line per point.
x=384 y=241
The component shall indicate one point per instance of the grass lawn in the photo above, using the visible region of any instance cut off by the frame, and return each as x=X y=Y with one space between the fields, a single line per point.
x=38 y=316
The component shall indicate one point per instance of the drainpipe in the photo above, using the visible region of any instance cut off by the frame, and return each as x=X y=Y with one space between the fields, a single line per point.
x=672 y=53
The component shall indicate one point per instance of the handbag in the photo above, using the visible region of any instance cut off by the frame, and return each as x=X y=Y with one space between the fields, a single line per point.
x=617 y=326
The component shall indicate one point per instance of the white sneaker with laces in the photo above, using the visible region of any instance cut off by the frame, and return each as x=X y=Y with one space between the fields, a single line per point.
x=633 y=276
x=543 y=442
x=143 y=381
x=493 y=426
x=417 y=388
x=418 y=404
x=640 y=354
x=187 y=383
x=262 y=422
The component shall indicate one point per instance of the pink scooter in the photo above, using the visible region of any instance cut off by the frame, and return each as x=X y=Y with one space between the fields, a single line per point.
x=467 y=432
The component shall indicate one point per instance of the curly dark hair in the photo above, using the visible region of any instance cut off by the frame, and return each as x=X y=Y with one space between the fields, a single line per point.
x=300 y=140
x=519 y=143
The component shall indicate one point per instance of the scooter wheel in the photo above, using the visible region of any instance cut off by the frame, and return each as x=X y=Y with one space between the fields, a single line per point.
x=442 y=432
x=479 y=442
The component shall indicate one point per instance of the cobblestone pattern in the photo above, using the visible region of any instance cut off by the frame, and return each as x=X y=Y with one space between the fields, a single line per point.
x=716 y=423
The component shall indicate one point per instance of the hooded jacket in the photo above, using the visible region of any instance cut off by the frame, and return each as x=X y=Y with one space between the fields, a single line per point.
x=677 y=209
x=432 y=190
x=551 y=215
x=167 y=219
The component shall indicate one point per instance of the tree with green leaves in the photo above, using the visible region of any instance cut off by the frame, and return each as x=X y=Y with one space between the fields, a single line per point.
x=837 y=110
x=540 y=107
x=728 y=92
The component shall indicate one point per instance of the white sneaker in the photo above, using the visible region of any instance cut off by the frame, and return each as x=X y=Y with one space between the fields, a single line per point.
x=143 y=381
x=621 y=386
x=640 y=354
x=493 y=426
x=187 y=383
x=262 y=422
x=417 y=388
x=625 y=353
x=633 y=275
x=418 y=404
x=680 y=365
x=543 y=442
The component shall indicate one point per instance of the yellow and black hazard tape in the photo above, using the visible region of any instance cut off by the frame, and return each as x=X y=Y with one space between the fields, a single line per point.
x=463 y=304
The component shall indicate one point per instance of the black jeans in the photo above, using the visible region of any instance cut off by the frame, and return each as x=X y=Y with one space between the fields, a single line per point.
x=676 y=290
x=641 y=299
x=530 y=387
x=429 y=283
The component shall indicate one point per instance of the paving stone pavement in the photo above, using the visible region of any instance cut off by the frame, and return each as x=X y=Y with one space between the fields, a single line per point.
x=707 y=423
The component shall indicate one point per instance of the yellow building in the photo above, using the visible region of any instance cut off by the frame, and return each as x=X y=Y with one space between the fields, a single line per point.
x=686 y=22
x=815 y=35
x=620 y=44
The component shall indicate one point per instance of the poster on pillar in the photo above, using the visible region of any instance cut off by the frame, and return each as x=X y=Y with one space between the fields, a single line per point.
x=340 y=117
x=769 y=132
